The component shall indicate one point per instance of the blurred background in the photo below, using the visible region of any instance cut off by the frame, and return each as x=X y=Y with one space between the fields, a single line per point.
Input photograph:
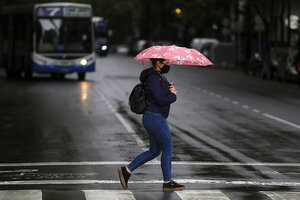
x=235 y=125
x=259 y=37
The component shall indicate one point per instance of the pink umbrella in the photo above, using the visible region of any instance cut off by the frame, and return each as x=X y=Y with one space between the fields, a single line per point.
x=176 y=55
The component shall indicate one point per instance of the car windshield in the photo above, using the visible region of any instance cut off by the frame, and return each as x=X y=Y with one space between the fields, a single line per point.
x=63 y=35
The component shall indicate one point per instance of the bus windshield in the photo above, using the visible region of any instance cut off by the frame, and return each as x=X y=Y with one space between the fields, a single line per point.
x=64 y=35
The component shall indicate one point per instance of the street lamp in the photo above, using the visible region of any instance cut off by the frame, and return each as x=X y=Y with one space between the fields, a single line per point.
x=178 y=11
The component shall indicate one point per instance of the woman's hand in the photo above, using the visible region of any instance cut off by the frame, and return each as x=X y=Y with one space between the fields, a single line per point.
x=172 y=89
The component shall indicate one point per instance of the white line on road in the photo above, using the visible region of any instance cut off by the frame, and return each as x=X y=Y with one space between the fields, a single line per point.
x=19 y=171
x=245 y=106
x=96 y=163
x=21 y=195
x=139 y=141
x=256 y=110
x=108 y=195
x=202 y=194
x=181 y=181
x=282 y=195
x=281 y=120
x=235 y=102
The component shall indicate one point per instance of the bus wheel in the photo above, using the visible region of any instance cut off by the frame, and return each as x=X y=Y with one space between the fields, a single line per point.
x=53 y=76
x=28 y=75
x=62 y=76
x=81 y=76
x=18 y=75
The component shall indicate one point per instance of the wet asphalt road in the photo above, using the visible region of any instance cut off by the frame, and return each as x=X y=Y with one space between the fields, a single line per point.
x=234 y=136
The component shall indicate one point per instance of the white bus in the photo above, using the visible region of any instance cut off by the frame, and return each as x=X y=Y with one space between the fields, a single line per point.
x=63 y=39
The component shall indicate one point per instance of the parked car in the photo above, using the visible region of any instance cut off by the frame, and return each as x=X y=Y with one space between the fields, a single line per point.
x=162 y=43
x=119 y=48
x=140 y=45
x=200 y=43
x=223 y=55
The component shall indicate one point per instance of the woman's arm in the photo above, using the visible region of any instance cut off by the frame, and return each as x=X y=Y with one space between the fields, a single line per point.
x=158 y=95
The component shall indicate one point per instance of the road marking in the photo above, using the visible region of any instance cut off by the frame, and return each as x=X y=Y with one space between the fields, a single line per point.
x=181 y=181
x=153 y=162
x=108 y=195
x=235 y=102
x=245 y=106
x=19 y=171
x=21 y=195
x=270 y=172
x=282 y=195
x=256 y=110
x=281 y=120
x=123 y=121
x=128 y=195
x=202 y=195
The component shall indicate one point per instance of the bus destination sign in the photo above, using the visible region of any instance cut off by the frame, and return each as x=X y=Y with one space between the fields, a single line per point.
x=63 y=12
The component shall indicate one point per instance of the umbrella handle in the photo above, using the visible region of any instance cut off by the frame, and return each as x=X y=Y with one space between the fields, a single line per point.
x=143 y=63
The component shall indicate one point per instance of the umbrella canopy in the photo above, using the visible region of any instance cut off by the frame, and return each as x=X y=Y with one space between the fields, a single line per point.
x=176 y=55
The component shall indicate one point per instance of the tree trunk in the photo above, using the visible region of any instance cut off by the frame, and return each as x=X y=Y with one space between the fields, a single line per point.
x=282 y=21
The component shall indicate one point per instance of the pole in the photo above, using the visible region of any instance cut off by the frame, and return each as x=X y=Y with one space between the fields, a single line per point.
x=289 y=23
x=236 y=38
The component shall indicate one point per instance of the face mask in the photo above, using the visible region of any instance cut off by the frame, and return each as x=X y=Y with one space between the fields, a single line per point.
x=165 y=69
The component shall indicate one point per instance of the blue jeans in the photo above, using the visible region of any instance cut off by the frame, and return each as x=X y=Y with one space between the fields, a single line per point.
x=160 y=141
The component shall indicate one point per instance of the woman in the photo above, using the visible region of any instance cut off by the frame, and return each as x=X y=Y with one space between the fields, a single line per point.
x=161 y=94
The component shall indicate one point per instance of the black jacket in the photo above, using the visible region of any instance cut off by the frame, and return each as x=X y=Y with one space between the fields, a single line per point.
x=157 y=90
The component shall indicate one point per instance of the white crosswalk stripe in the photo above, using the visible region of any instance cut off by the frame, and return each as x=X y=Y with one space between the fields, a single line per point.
x=108 y=195
x=21 y=195
x=128 y=195
x=202 y=195
x=282 y=195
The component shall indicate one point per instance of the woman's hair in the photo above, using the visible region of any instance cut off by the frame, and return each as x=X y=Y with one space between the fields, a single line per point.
x=155 y=60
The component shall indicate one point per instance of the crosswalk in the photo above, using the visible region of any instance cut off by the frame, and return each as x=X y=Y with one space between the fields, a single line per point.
x=129 y=195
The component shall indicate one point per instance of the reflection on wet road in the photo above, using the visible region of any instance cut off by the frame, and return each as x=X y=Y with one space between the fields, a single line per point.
x=235 y=137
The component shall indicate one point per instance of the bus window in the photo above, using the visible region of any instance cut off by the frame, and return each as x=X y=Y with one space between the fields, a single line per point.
x=64 y=35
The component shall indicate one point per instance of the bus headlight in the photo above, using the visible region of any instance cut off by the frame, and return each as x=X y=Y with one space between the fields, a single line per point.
x=40 y=60
x=104 y=47
x=83 y=62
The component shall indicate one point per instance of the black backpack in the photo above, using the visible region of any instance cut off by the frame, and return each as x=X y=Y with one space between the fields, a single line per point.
x=137 y=99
